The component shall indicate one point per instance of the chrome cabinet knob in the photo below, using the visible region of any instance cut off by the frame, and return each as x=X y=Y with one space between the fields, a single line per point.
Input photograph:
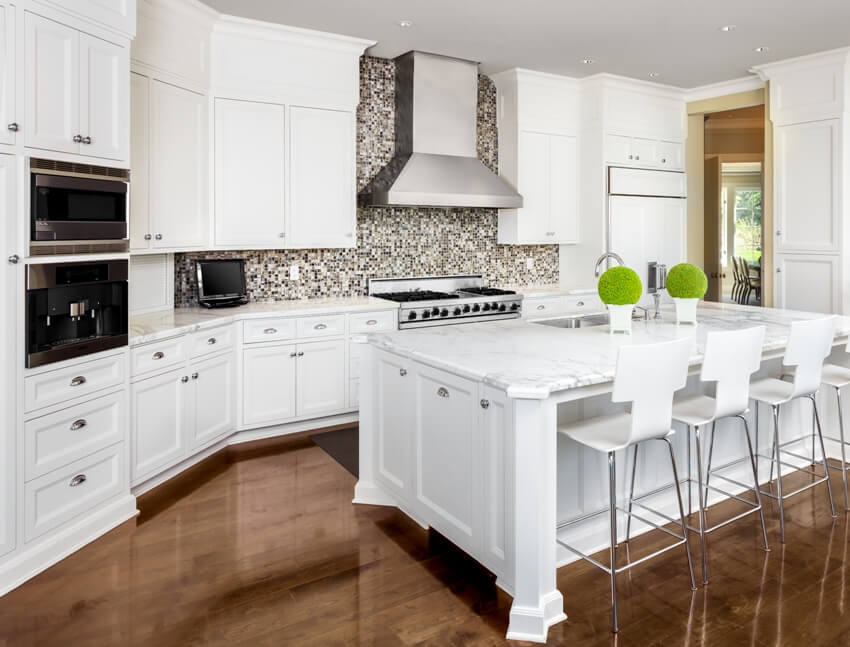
x=281 y=235
x=195 y=375
x=443 y=392
x=184 y=379
x=778 y=270
x=402 y=371
x=212 y=340
x=293 y=354
x=663 y=160
x=300 y=353
x=79 y=479
x=86 y=140
x=778 y=232
x=158 y=355
x=580 y=304
x=158 y=236
x=13 y=127
x=13 y=259
x=78 y=139
x=78 y=381
x=79 y=424
x=541 y=307
x=637 y=157
x=485 y=404
x=148 y=236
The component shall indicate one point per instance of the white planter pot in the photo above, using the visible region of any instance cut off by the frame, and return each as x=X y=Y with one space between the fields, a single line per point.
x=686 y=310
x=620 y=318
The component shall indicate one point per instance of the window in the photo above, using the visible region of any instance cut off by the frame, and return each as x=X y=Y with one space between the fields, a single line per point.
x=747 y=218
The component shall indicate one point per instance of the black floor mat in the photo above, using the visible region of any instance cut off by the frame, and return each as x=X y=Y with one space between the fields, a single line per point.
x=343 y=445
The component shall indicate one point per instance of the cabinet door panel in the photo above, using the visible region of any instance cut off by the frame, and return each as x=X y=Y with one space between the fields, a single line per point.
x=214 y=391
x=618 y=149
x=395 y=422
x=447 y=451
x=52 y=69
x=644 y=151
x=10 y=277
x=249 y=197
x=497 y=460
x=563 y=180
x=322 y=178
x=808 y=282
x=7 y=73
x=670 y=156
x=321 y=377
x=140 y=225
x=158 y=422
x=533 y=184
x=104 y=108
x=178 y=166
x=268 y=384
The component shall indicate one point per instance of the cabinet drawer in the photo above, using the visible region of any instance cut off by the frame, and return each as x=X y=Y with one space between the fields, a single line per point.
x=584 y=303
x=267 y=330
x=372 y=321
x=72 y=382
x=324 y=326
x=544 y=307
x=62 y=495
x=60 y=438
x=212 y=341
x=159 y=355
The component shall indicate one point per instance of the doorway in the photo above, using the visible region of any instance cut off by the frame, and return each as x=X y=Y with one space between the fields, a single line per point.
x=734 y=154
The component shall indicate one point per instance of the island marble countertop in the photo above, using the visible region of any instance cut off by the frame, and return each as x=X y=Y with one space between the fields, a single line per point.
x=162 y=324
x=529 y=360
x=547 y=290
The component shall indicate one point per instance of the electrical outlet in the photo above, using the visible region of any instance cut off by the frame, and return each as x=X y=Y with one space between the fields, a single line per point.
x=294 y=273
x=529 y=263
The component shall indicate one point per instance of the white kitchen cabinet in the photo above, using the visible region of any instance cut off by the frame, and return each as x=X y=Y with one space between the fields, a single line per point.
x=158 y=422
x=77 y=91
x=547 y=178
x=268 y=384
x=320 y=377
x=11 y=276
x=644 y=152
x=394 y=425
x=250 y=197
x=213 y=400
x=178 y=167
x=140 y=225
x=322 y=200
x=808 y=180
x=670 y=155
x=104 y=98
x=8 y=123
x=808 y=282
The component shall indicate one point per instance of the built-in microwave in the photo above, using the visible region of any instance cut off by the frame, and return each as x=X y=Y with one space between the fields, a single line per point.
x=77 y=208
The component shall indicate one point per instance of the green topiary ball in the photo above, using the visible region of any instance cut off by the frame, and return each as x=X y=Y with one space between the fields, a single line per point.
x=686 y=281
x=620 y=286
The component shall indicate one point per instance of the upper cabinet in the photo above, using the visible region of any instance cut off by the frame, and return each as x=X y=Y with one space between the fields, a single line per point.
x=76 y=91
x=250 y=197
x=539 y=156
x=322 y=178
x=621 y=150
x=8 y=124
x=116 y=15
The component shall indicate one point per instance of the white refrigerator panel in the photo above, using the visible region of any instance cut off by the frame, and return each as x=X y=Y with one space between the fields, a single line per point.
x=644 y=182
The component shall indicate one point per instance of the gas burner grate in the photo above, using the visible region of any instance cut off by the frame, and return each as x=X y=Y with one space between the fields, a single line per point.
x=415 y=295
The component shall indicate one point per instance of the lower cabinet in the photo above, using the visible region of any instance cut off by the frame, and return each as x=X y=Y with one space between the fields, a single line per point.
x=320 y=377
x=177 y=412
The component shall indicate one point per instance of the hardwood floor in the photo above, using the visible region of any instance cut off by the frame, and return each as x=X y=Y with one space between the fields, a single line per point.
x=269 y=550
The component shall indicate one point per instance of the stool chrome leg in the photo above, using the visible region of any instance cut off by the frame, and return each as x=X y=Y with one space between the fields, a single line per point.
x=701 y=493
x=681 y=513
x=813 y=435
x=776 y=459
x=757 y=445
x=823 y=452
x=775 y=442
x=843 y=449
x=690 y=478
x=632 y=493
x=710 y=454
x=612 y=501
x=756 y=488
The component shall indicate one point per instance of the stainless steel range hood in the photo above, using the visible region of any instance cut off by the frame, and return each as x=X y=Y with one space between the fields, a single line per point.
x=435 y=162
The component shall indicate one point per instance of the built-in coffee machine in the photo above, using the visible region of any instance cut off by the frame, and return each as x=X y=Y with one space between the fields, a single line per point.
x=74 y=309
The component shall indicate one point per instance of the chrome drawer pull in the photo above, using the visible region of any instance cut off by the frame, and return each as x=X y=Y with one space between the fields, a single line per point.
x=372 y=322
x=485 y=404
x=212 y=340
x=78 y=381
x=402 y=371
x=194 y=376
x=158 y=354
x=541 y=307
x=184 y=379
x=320 y=326
x=580 y=304
x=300 y=353
x=270 y=331
x=443 y=392
x=79 y=479
x=79 y=424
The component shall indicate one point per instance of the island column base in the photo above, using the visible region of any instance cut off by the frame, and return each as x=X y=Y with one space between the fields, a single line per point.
x=532 y=624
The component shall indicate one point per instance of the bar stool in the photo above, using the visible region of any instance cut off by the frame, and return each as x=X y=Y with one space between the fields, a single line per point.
x=650 y=419
x=730 y=359
x=838 y=377
x=809 y=344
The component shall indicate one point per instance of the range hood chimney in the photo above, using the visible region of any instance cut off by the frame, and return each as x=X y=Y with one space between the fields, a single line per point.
x=435 y=162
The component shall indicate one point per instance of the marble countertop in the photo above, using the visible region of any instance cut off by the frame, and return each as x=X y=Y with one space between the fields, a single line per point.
x=529 y=360
x=547 y=290
x=152 y=326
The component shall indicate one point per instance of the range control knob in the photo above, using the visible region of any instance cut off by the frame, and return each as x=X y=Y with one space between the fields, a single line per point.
x=457 y=311
x=466 y=308
x=435 y=311
x=476 y=308
x=486 y=307
x=502 y=307
x=514 y=306
x=426 y=314
x=444 y=312
x=411 y=316
x=495 y=306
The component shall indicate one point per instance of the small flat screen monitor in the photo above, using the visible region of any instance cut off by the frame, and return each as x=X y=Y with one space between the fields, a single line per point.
x=221 y=282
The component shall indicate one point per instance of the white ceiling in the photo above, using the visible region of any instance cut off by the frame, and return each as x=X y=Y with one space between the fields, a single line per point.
x=679 y=39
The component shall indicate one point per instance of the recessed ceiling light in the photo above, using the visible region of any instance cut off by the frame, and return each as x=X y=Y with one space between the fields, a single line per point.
x=405 y=23
x=762 y=49
x=588 y=61
x=654 y=75
x=727 y=28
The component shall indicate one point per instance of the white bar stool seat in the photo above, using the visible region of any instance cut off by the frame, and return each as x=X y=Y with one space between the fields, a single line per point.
x=731 y=357
x=650 y=419
x=809 y=344
x=838 y=377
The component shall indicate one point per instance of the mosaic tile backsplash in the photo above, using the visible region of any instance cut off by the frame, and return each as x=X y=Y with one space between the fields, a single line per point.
x=390 y=241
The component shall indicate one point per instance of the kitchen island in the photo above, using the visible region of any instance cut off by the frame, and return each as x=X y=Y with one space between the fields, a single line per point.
x=458 y=430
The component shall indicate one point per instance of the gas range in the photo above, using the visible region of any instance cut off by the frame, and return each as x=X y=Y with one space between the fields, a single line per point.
x=440 y=300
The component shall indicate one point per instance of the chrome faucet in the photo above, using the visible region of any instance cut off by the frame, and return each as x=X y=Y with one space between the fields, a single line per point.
x=602 y=259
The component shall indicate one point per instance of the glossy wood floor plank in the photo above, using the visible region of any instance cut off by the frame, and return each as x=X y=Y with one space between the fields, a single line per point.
x=269 y=550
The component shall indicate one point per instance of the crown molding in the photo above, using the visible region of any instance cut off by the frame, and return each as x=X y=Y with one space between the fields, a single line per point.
x=246 y=27
x=724 y=88
x=829 y=57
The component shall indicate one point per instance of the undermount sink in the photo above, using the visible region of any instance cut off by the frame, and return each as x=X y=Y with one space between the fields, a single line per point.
x=576 y=321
